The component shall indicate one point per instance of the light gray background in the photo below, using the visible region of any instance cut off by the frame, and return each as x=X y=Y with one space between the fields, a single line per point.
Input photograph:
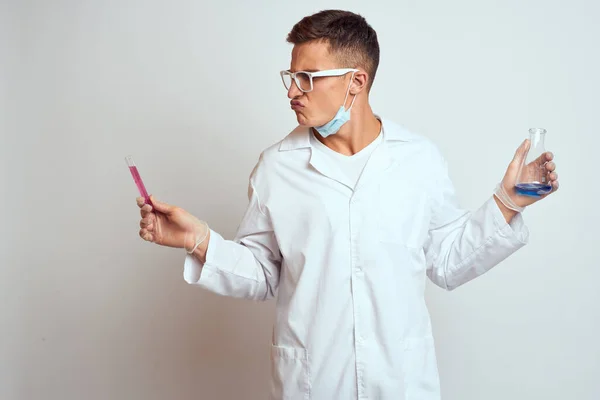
x=191 y=89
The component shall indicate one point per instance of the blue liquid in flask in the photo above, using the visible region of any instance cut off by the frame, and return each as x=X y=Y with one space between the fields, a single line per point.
x=533 y=189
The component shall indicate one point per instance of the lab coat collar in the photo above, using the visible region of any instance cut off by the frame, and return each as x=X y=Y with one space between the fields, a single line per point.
x=379 y=161
x=299 y=138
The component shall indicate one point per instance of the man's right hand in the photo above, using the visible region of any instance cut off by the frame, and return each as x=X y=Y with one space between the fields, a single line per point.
x=171 y=226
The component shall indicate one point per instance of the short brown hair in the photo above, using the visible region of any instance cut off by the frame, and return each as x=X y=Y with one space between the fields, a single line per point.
x=349 y=36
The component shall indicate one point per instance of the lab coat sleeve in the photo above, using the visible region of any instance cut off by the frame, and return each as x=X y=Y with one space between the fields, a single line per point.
x=245 y=267
x=462 y=245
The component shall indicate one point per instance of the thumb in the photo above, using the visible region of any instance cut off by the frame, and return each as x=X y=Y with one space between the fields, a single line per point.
x=521 y=152
x=160 y=206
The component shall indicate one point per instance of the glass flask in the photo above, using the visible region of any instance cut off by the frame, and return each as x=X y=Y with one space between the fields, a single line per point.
x=532 y=179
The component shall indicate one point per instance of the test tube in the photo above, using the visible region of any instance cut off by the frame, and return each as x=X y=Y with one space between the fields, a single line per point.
x=137 y=179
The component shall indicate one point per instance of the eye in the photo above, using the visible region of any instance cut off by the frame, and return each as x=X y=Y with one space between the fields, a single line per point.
x=303 y=80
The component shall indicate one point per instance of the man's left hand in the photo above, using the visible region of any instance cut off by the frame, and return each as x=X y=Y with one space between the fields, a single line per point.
x=511 y=175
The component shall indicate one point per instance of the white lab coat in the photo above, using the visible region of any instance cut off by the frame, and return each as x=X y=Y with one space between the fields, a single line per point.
x=349 y=266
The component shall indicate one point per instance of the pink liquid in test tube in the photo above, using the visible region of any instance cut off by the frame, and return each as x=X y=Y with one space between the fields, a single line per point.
x=137 y=179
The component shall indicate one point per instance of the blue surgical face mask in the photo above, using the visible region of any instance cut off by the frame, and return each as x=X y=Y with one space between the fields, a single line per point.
x=340 y=118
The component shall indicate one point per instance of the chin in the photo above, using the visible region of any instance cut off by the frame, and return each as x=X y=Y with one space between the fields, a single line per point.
x=303 y=121
x=306 y=122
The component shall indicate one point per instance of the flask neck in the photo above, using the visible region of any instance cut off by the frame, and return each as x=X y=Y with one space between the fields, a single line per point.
x=537 y=137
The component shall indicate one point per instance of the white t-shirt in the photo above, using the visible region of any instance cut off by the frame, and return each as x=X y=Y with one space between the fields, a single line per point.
x=353 y=165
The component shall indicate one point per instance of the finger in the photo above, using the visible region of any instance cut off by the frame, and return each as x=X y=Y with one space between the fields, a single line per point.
x=145 y=210
x=139 y=201
x=148 y=223
x=553 y=176
x=521 y=151
x=147 y=236
x=555 y=186
x=544 y=157
x=551 y=166
x=161 y=207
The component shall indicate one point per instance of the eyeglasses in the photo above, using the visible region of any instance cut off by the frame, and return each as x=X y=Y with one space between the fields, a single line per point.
x=304 y=80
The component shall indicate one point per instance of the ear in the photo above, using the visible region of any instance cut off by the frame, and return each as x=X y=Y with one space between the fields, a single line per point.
x=359 y=83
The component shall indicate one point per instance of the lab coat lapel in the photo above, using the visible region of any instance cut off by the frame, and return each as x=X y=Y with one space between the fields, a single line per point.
x=324 y=165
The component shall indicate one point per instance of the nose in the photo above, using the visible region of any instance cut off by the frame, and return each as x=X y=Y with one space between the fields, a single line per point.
x=294 y=91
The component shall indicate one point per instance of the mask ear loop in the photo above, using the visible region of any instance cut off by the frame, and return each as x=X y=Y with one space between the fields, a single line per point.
x=348 y=92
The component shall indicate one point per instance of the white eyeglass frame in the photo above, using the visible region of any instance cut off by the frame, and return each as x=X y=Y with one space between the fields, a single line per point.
x=311 y=75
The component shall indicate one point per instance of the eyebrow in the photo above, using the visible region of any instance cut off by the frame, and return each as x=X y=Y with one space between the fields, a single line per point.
x=306 y=70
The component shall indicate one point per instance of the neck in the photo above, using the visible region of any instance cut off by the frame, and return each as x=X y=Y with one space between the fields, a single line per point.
x=356 y=134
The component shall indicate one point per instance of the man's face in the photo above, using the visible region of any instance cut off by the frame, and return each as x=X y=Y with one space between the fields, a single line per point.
x=319 y=106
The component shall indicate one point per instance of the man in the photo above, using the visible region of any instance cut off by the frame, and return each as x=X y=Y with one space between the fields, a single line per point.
x=347 y=215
